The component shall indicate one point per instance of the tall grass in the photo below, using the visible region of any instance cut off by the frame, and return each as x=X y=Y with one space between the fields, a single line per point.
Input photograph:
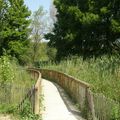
x=12 y=72
x=14 y=83
x=103 y=73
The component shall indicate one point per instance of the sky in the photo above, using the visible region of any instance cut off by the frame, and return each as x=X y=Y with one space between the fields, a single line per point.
x=33 y=5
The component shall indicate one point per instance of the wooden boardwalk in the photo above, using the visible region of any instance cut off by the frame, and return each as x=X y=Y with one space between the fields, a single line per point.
x=57 y=105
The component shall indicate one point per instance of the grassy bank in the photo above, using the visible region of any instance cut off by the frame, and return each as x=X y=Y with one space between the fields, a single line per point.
x=103 y=74
x=15 y=81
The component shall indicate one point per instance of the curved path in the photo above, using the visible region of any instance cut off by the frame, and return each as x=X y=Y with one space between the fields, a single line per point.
x=56 y=107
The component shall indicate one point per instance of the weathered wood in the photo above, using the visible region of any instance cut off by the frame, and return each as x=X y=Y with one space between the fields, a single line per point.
x=37 y=97
x=69 y=83
x=91 y=103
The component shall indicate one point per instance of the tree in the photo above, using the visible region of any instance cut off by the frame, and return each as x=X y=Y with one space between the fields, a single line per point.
x=3 y=22
x=51 y=53
x=14 y=34
x=1 y=13
x=39 y=28
x=85 y=27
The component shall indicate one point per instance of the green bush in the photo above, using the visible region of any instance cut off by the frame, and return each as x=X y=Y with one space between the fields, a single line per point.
x=6 y=70
x=26 y=113
x=5 y=108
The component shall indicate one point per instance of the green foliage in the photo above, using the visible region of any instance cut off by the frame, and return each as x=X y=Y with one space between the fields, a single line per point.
x=7 y=109
x=85 y=27
x=39 y=28
x=115 y=25
x=6 y=70
x=104 y=10
x=103 y=74
x=14 y=82
x=26 y=113
x=51 y=53
x=14 y=19
x=11 y=72
x=43 y=52
x=115 y=114
x=20 y=51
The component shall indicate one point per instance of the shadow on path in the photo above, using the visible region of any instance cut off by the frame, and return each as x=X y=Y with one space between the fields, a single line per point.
x=69 y=103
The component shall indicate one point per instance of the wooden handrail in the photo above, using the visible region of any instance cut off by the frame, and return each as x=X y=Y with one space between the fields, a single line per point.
x=87 y=85
x=77 y=89
x=33 y=93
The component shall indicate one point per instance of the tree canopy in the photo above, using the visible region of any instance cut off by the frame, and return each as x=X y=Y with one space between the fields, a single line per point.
x=14 y=31
x=85 y=27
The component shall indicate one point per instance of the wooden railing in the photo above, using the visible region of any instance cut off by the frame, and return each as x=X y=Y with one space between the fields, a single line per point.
x=34 y=93
x=93 y=106
x=78 y=90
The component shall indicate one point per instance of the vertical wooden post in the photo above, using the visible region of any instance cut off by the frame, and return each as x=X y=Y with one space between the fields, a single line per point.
x=32 y=98
x=91 y=103
x=37 y=102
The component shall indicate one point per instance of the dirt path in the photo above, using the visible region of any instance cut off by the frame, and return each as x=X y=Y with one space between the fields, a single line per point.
x=56 y=107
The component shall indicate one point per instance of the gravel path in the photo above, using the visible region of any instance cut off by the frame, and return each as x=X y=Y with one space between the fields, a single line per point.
x=55 y=107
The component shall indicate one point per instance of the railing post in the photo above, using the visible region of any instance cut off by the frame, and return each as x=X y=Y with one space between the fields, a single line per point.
x=37 y=99
x=32 y=98
x=91 y=103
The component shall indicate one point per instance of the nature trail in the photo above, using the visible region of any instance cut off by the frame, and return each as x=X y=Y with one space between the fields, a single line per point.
x=55 y=103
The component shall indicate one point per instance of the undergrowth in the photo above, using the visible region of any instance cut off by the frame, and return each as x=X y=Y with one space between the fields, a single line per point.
x=14 y=84
x=27 y=114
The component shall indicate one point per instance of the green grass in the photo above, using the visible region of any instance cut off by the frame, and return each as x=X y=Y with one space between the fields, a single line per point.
x=15 y=81
x=103 y=74
x=11 y=72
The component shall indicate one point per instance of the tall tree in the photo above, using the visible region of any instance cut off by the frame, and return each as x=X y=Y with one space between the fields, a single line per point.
x=3 y=7
x=15 y=33
x=85 y=27
x=39 y=28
